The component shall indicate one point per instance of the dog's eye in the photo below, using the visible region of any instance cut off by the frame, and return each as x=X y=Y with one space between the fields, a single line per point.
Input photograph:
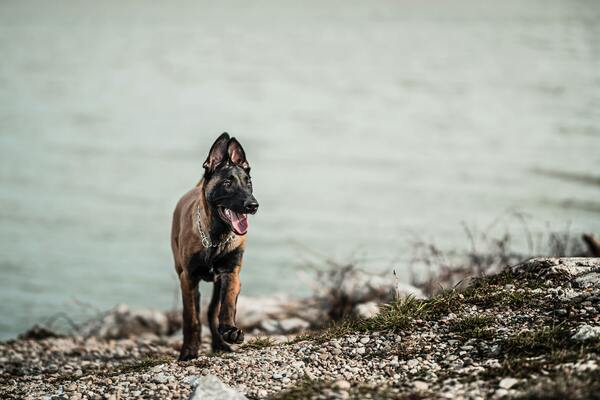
x=227 y=183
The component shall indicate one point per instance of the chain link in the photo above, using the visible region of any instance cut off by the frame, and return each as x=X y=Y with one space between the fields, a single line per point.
x=205 y=239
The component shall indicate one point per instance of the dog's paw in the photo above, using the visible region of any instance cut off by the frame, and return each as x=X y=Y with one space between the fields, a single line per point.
x=231 y=334
x=187 y=354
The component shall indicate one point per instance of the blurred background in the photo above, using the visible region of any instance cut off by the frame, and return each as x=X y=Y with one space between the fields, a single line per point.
x=368 y=125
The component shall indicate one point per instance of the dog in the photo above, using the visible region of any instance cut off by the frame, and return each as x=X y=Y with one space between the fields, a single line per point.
x=208 y=238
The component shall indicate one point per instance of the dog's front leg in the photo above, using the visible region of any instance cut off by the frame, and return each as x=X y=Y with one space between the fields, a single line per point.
x=230 y=289
x=191 y=318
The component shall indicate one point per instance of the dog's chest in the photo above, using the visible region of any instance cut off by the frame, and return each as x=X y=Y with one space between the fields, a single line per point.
x=205 y=263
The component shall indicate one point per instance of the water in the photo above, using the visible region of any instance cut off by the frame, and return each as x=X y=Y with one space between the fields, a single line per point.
x=367 y=124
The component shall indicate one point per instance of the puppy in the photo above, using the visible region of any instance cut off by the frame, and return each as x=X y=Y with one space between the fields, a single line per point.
x=208 y=238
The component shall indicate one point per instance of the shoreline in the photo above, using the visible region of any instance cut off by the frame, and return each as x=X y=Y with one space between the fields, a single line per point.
x=530 y=330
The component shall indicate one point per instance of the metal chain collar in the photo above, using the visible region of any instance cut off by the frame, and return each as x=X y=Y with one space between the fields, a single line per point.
x=206 y=242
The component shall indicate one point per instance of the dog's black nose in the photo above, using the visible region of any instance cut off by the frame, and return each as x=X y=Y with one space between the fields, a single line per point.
x=251 y=207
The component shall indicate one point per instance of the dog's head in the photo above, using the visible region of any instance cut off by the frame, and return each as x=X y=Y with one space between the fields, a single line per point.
x=228 y=186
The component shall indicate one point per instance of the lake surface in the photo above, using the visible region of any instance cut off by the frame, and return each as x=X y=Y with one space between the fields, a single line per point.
x=368 y=125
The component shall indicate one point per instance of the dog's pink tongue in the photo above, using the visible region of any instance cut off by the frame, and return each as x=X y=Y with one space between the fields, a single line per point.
x=239 y=222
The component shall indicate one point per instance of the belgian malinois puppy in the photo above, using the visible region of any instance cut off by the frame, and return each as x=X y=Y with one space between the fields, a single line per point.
x=208 y=239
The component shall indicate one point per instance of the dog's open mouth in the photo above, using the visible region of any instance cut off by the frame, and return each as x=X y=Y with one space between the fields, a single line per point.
x=237 y=221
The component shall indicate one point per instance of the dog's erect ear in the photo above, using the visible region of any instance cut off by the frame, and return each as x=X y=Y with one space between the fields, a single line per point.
x=217 y=154
x=237 y=155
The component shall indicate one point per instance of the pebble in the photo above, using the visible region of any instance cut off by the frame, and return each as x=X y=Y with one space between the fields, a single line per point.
x=508 y=383
x=342 y=385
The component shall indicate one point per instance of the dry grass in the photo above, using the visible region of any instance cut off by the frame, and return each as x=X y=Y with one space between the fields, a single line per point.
x=259 y=342
x=488 y=253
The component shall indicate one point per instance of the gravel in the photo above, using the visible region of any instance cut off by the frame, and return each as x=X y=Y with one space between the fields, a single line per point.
x=431 y=358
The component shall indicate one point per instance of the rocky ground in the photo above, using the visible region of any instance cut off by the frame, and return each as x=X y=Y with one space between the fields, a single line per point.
x=532 y=331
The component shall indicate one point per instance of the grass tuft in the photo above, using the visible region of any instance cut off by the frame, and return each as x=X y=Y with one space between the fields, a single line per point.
x=579 y=385
x=473 y=326
x=394 y=317
x=540 y=341
x=319 y=389
x=259 y=342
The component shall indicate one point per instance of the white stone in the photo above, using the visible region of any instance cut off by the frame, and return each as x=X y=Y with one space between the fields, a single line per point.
x=293 y=324
x=342 y=385
x=269 y=325
x=573 y=266
x=507 y=383
x=162 y=378
x=191 y=380
x=367 y=310
x=209 y=387
x=586 y=332
x=591 y=279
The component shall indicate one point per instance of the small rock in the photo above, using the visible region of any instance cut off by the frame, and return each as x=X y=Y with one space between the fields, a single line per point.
x=367 y=310
x=269 y=325
x=591 y=279
x=293 y=324
x=162 y=378
x=586 y=332
x=191 y=380
x=342 y=385
x=420 y=386
x=209 y=387
x=507 y=383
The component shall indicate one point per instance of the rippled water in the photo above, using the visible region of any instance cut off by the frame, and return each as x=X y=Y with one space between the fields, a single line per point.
x=367 y=124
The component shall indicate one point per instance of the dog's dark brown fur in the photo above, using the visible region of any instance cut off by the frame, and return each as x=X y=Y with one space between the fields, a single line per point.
x=226 y=182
